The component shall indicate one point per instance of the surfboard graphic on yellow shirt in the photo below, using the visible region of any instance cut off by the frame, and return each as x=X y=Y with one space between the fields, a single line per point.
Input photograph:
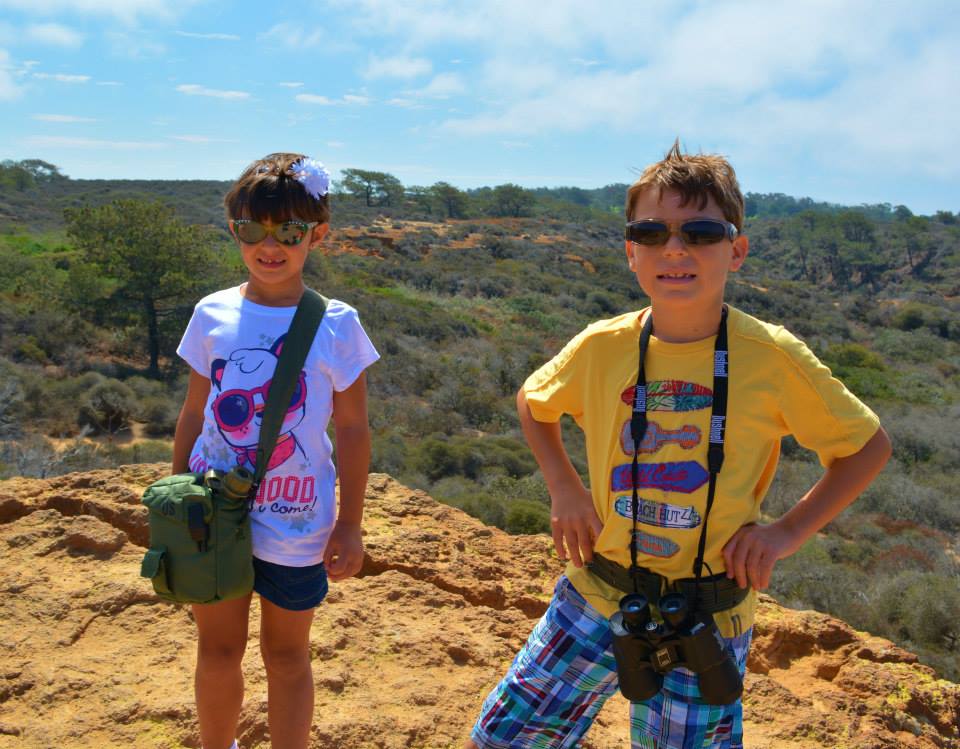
x=672 y=395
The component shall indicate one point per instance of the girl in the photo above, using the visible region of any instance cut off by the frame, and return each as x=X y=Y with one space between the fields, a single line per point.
x=278 y=213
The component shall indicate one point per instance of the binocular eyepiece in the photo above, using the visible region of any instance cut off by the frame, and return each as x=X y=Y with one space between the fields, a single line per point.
x=645 y=649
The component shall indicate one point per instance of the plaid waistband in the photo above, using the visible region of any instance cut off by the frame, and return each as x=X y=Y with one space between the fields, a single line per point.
x=714 y=593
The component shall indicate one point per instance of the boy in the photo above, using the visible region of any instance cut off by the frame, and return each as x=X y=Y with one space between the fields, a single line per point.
x=643 y=528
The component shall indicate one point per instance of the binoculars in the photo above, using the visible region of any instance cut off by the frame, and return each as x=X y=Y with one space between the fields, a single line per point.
x=645 y=649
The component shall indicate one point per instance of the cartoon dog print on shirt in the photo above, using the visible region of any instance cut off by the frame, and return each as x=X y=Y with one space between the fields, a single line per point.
x=243 y=382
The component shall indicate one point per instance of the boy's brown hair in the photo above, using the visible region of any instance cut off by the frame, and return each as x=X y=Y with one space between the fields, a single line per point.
x=268 y=191
x=696 y=177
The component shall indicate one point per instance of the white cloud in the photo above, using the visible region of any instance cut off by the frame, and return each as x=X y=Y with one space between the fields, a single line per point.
x=193 y=89
x=9 y=90
x=126 y=11
x=213 y=36
x=57 y=141
x=519 y=27
x=201 y=139
x=397 y=67
x=109 y=83
x=292 y=35
x=335 y=144
x=796 y=84
x=443 y=86
x=312 y=99
x=134 y=44
x=62 y=118
x=291 y=84
x=355 y=99
x=62 y=77
x=54 y=34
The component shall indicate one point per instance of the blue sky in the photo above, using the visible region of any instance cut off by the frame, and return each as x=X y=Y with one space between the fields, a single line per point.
x=852 y=102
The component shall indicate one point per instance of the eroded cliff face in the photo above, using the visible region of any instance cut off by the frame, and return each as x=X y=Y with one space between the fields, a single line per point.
x=403 y=655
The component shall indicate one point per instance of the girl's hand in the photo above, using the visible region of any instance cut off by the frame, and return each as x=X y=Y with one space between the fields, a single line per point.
x=343 y=557
x=753 y=551
x=575 y=524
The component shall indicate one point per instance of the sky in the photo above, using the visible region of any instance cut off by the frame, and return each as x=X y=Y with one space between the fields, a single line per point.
x=847 y=101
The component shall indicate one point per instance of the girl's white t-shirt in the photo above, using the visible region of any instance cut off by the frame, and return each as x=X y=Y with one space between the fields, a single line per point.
x=236 y=344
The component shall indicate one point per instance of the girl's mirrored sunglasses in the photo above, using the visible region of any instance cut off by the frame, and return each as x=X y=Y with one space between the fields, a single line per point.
x=234 y=409
x=289 y=233
x=698 y=232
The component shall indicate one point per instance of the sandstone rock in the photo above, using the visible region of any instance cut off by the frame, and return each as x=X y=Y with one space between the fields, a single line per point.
x=403 y=655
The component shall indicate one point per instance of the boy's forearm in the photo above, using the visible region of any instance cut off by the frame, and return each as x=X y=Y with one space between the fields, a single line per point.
x=546 y=443
x=842 y=483
x=353 y=465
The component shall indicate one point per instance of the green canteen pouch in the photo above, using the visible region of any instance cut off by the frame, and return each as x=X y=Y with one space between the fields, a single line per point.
x=200 y=544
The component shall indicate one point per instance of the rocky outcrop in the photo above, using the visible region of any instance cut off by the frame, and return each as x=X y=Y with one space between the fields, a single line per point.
x=403 y=654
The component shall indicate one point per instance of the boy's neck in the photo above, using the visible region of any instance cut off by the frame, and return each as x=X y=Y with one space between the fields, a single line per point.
x=686 y=325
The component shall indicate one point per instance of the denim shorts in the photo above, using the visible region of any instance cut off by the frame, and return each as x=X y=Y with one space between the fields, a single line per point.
x=291 y=588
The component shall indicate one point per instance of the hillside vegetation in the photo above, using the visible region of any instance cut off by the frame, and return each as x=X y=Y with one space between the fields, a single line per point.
x=466 y=293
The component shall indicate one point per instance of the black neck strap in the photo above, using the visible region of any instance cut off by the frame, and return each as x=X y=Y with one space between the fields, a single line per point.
x=718 y=418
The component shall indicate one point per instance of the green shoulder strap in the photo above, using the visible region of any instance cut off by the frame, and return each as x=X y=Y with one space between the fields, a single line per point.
x=303 y=329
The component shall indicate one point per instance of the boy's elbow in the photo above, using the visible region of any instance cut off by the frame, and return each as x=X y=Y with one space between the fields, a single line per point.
x=883 y=447
x=875 y=453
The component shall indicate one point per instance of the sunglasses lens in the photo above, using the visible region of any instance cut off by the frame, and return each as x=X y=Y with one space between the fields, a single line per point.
x=703 y=232
x=233 y=410
x=249 y=232
x=650 y=233
x=290 y=232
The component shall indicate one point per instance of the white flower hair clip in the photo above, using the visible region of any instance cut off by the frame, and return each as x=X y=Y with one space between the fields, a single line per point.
x=313 y=176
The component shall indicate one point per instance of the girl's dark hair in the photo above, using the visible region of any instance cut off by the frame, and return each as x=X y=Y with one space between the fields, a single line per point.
x=268 y=191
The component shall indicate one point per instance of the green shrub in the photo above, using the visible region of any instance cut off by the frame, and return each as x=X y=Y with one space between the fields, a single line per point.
x=924 y=608
x=524 y=516
x=147 y=451
x=144 y=388
x=159 y=415
x=11 y=407
x=868 y=383
x=900 y=497
x=852 y=355
x=107 y=407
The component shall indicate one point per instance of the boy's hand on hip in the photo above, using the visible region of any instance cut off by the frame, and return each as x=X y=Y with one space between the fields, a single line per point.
x=575 y=524
x=343 y=557
x=753 y=551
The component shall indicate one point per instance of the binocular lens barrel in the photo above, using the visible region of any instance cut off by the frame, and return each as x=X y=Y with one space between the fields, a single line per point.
x=636 y=611
x=673 y=607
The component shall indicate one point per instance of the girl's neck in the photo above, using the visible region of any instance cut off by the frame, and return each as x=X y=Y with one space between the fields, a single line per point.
x=686 y=326
x=267 y=296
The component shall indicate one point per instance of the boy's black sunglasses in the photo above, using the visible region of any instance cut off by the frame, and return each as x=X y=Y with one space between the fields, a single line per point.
x=289 y=233
x=697 y=232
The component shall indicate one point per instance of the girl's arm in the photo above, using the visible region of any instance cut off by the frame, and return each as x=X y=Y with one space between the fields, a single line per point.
x=190 y=421
x=754 y=549
x=344 y=554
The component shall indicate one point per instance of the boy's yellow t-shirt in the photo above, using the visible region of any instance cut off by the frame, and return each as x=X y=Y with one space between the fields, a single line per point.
x=776 y=387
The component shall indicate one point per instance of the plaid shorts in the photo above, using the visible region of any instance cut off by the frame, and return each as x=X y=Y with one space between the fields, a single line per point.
x=566 y=671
